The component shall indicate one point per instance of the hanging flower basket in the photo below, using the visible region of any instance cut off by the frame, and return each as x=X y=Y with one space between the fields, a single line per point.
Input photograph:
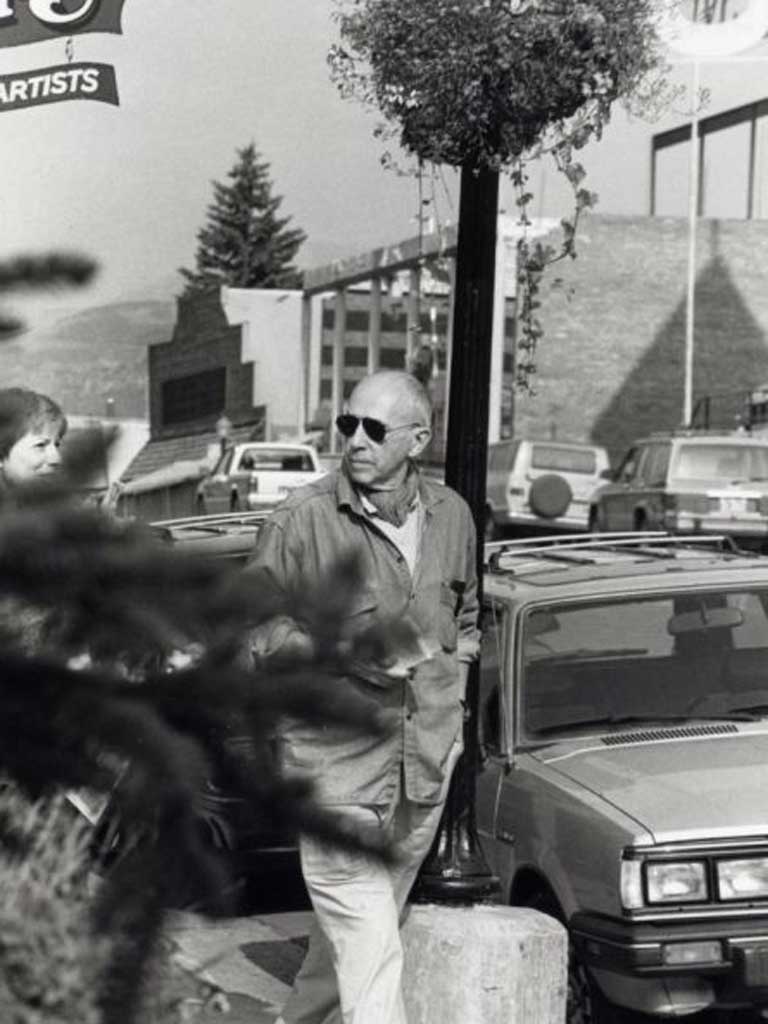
x=481 y=82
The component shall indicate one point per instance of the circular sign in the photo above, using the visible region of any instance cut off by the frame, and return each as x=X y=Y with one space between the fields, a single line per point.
x=718 y=39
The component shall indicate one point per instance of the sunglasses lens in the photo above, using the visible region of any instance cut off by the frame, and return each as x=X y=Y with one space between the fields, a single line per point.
x=375 y=429
x=347 y=424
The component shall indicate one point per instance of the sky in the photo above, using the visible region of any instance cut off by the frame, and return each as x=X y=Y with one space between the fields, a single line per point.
x=197 y=80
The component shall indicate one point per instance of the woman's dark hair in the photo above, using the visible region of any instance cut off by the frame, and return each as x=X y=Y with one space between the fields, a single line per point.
x=22 y=411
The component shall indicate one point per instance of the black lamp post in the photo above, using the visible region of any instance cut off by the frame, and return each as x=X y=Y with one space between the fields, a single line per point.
x=456 y=870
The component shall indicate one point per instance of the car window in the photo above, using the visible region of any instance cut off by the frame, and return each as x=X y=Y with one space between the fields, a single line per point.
x=650 y=657
x=656 y=465
x=628 y=465
x=501 y=457
x=564 y=460
x=722 y=462
x=275 y=459
x=222 y=466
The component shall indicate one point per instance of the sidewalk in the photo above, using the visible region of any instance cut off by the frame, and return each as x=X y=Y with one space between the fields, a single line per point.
x=252 y=959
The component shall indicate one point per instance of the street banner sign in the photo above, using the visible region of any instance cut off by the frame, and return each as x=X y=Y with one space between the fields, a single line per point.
x=35 y=21
x=56 y=84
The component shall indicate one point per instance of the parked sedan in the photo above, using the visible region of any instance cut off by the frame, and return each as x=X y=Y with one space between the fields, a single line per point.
x=689 y=482
x=624 y=698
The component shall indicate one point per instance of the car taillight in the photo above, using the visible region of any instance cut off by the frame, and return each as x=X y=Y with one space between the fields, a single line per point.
x=693 y=504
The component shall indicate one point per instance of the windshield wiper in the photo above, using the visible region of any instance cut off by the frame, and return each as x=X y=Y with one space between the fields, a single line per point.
x=733 y=714
x=753 y=710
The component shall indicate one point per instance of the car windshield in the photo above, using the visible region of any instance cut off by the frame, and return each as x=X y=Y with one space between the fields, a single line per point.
x=275 y=459
x=721 y=462
x=649 y=659
x=565 y=460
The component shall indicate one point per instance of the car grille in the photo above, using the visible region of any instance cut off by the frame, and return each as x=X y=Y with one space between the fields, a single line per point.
x=649 y=735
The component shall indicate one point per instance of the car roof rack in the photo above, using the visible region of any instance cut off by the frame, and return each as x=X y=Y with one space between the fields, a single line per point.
x=212 y=521
x=571 y=547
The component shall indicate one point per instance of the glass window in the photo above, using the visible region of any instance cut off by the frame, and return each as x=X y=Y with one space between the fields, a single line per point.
x=355 y=355
x=326 y=388
x=326 y=355
x=656 y=465
x=357 y=320
x=392 y=358
x=194 y=397
x=566 y=460
x=730 y=463
x=654 y=658
x=278 y=459
x=501 y=457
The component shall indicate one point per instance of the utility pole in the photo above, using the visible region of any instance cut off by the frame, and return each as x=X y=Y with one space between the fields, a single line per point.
x=455 y=870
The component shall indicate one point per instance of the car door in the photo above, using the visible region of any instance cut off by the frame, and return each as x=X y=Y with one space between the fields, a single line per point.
x=618 y=501
x=649 y=509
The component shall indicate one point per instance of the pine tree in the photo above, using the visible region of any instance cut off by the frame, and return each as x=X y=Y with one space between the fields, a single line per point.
x=245 y=244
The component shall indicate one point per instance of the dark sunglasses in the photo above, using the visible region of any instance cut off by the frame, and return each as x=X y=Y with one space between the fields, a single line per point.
x=377 y=431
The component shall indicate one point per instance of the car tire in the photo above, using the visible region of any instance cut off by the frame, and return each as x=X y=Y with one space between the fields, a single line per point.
x=549 y=496
x=585 y=1003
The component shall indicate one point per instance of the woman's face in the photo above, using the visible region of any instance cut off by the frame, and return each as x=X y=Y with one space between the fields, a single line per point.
x=35 y=454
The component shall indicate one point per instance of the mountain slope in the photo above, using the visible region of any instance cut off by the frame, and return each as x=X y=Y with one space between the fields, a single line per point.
x=84 y=358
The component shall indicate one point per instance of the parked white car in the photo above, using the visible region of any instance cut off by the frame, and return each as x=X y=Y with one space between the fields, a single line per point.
x=541 y=483
x=256 y=476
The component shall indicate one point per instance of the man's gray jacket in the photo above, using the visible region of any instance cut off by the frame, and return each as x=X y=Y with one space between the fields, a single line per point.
x=297 y=546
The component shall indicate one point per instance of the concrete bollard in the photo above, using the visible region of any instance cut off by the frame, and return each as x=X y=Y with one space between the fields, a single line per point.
x=483 y=965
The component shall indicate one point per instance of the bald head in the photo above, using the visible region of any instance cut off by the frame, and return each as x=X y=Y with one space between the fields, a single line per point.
x=407 y=397
x=401 y=407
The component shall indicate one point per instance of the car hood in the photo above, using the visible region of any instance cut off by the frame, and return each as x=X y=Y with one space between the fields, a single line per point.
x=692 y=788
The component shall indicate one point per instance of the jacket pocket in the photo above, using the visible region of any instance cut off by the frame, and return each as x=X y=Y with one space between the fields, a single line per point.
x=447 y=622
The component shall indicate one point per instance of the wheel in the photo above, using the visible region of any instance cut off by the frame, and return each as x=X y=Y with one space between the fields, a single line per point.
x=585 y=1003
x=550 y=495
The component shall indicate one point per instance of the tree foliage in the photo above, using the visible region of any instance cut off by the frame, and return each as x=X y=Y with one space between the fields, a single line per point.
x=75 y=582
x=495 y=84
x=26 y=273
x=245 y=244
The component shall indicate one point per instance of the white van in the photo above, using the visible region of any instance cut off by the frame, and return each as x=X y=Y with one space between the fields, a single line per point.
x=541 y=483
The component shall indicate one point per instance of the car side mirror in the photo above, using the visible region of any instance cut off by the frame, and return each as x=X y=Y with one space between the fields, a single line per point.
x=607 y=474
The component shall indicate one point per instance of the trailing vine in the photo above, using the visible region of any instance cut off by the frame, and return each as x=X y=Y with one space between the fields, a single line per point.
x=497 y=84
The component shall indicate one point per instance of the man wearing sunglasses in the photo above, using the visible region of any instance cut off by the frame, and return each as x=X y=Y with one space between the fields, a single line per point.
x=416 y=543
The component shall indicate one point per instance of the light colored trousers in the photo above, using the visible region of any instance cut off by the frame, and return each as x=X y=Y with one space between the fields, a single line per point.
x=353 y=967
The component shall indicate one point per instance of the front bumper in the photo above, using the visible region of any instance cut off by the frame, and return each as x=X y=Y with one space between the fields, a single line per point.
x=623 y=953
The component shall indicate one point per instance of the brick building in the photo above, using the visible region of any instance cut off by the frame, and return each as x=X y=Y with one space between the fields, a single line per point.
x=233 y=354
x=610 y=365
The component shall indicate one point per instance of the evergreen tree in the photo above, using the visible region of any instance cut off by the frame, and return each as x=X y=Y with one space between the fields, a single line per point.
x=245 y=244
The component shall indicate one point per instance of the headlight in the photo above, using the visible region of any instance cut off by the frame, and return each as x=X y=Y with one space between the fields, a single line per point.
x=742 y=879
x=681 y=882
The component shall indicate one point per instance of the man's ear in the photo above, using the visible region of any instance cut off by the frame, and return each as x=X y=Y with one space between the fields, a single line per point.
x=422 y=438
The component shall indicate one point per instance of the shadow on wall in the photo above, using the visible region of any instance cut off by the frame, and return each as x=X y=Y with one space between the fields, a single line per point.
x=730 y=359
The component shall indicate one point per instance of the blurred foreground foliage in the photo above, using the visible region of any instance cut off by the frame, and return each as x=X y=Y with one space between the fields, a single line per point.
x=91 y=610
